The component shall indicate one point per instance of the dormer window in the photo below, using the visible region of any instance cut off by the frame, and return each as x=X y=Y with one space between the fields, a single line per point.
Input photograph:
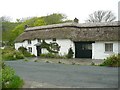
x=29 y=41
x=54 y=39
x=39 y=40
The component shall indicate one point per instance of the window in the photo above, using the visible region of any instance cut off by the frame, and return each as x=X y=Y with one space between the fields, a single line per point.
x=30 y=49
x=39 y=40
x=29 y=41
x=54 y=39
x=108 y=47
x=86 y=47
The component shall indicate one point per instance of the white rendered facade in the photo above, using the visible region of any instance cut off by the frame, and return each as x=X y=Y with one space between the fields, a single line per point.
x=64 y=44
x=98 y=48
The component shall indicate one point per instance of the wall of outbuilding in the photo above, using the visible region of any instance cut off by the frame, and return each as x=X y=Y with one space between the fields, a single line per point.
x=98 y=49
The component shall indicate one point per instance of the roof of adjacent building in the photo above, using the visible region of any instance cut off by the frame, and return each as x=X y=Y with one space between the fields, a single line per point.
x=74 y=31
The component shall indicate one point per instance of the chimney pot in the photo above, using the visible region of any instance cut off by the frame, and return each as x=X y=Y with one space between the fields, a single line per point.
x=76 y=20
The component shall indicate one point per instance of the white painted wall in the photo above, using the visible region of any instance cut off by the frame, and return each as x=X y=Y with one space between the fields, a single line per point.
x=98 y=49
x=26 y=45
x=64 y=44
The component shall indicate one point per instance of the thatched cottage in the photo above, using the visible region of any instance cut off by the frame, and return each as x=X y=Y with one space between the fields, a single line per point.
x=87 y=40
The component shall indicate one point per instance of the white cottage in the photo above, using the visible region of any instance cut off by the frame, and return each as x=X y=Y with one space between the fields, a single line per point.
x=88 y=40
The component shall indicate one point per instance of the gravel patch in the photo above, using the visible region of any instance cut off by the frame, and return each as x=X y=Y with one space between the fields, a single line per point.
x=67 y=61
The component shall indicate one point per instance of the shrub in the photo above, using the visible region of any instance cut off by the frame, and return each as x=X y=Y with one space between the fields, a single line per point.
x=11 y=54
x=47 y=61
x=73 y=63
x=70 y=53
x=10 y=79
x=25 y=52
x=59 y=62
x=112 y=61
x=22 y=49
x=26 y=60
x=92 y=63
x=52 y=55
x=48 y=55
x=35 y=60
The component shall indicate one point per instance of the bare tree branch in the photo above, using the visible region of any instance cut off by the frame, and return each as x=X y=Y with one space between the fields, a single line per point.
x=101 y=16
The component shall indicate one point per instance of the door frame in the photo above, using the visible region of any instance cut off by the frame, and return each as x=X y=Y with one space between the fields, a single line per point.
x=38 y=48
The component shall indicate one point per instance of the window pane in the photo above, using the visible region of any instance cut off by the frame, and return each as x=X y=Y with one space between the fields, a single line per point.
x=29 y=41
x=29 y=49
x=39 y=40
x=109 y=47
x=54 y=39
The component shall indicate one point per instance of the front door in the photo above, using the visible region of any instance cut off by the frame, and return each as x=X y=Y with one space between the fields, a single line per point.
x=83 y=49
x=38 y=50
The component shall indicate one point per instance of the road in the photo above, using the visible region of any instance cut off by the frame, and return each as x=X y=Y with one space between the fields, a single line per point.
x=67 y=75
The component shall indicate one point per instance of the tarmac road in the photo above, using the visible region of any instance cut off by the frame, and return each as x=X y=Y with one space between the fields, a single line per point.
x=67 y=75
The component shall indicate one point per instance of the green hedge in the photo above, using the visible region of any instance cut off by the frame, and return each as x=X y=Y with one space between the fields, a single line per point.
x=9 y=78
x=25 y=52
x=112 y=61
x=11 y=54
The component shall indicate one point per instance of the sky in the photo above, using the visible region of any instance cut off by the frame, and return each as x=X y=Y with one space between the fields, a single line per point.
x=71 y=8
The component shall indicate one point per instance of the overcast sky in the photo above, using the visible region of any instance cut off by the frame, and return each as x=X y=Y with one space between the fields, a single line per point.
x=72 y=8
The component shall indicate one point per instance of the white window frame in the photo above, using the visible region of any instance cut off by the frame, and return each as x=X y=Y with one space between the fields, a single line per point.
x=30 y=49
x=108 y=47
x=39 y=40
x=29 y=42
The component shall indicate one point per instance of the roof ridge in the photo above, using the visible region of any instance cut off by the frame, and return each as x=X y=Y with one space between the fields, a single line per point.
x=73 y=24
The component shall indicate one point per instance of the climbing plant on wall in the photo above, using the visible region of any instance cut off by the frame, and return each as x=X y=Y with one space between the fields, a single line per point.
x=52 y=47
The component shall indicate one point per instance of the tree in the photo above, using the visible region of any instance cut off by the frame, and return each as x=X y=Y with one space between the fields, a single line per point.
x=54 y=18
x=5 y=18
x=101 y=16
x=11 y=30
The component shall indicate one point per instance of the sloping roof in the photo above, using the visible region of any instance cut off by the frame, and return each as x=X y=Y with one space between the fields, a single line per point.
x=73 y=31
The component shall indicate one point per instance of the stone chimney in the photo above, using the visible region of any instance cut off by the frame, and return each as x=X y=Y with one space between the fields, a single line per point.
x=76 y=20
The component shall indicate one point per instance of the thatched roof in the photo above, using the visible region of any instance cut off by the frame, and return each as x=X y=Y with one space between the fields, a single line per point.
x=73 y=31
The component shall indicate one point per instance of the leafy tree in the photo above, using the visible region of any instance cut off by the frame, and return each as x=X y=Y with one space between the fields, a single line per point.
x=7 y=26
x=54 y=18
x=5 y=19
x=101 y=16
x=38 y=21
x=14 y=29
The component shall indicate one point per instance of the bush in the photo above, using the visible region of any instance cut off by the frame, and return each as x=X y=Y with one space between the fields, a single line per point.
x=70 y=53
x=25 y=52
x=11 y=54
x=9 y=79
x=51 y=55
x=112 y=61
x=92 y=63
